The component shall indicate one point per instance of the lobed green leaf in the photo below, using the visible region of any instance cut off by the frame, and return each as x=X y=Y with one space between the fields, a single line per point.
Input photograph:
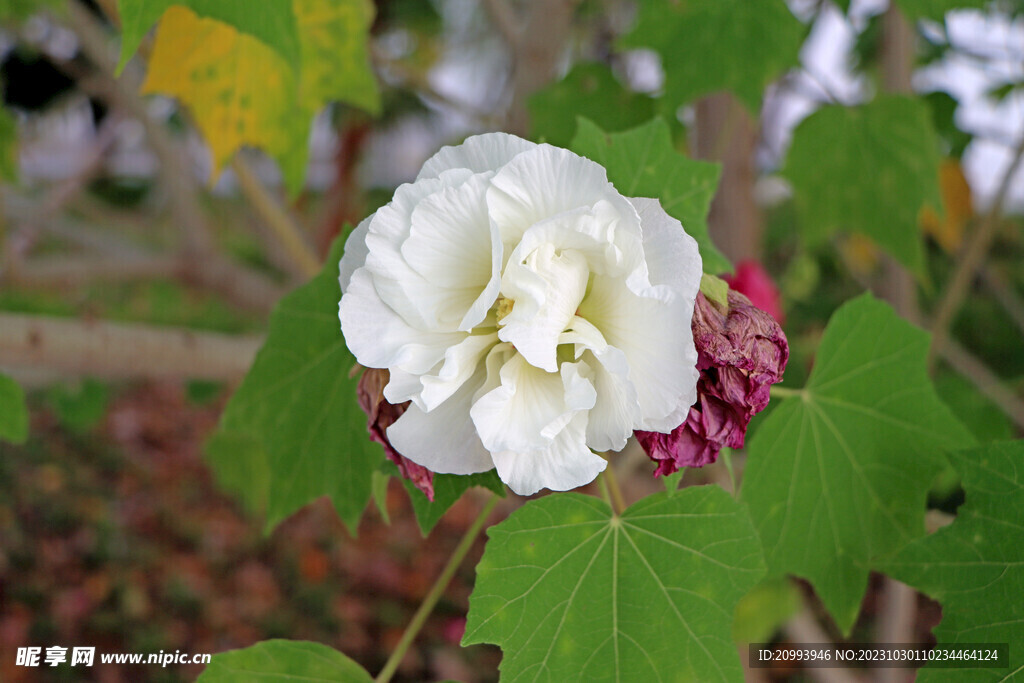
x=294 y=431
x=975 y=566
x=572 y=592
x=712 y=45
x=867 y=169
x=837 y=478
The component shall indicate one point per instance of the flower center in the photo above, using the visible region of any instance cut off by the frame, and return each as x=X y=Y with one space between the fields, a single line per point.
x=504 y=306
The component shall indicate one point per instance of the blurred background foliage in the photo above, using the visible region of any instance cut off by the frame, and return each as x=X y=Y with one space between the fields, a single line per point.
x=862 y=145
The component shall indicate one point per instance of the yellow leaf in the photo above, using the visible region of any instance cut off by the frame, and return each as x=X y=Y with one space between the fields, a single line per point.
x=957 y=206
x=242 y=92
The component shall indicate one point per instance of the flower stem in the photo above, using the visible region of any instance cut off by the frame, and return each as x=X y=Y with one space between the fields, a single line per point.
x=613 y=486
x=427 y=606
x=784 y=392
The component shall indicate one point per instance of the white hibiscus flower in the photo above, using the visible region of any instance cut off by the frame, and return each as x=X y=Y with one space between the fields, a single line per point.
x=530 y=313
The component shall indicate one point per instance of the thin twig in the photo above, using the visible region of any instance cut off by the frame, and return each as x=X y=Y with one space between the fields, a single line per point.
x=986 y=381
x=275 y=216
x=804 y=628
x=972 y=255
x=1002 y=290
x=115 y=350
x=436 y=591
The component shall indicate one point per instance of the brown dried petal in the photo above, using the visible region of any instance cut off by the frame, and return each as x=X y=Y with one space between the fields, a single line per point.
x=740 y=355
x=379 y=416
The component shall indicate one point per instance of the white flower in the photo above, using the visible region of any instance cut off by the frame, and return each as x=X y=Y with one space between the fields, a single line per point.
x=531 y=313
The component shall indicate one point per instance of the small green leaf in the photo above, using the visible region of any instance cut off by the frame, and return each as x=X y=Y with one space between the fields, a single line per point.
x=837 y=477
x=642 y=162
x=867 y=169
x=270 y=21
x=284 y=661
x=298 y=402
x=20 y=9
x=8 y=146
x=712 y=45
x=13 y=412
x=975 y=566
x=572 y=592
x=81 y=406
x=448 y=488
x=590 y=91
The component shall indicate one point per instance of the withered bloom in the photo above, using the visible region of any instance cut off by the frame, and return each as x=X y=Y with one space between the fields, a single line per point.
x=379 y=416
x=740 y=354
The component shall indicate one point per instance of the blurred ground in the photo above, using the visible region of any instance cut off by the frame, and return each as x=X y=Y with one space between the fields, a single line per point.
x=116 y=537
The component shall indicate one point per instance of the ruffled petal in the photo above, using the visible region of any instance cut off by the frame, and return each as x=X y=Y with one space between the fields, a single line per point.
x=563 y=465
x=380 y=338
x=478 y=153
x=530 y=407
x=547 y=288
x=454 y=245
x=656 y=340
x=443 y=440
x=542 y=183
x=355 y=253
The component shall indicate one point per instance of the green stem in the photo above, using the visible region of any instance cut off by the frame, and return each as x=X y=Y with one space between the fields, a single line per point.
x=427 y=606
x=783 y=392
x=613 y=485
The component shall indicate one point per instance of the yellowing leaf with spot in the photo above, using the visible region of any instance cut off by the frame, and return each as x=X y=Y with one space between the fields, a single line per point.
x=957 y=205
x=241 y=92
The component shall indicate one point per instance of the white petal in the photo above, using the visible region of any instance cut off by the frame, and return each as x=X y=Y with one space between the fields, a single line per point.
x=530 y=406
x=547 y=288
x=454 y=245
x=565 y=464
x=460 y=363
x=672 y=256
x=542 y=183
x=657 y=342
x=380 y=338
x=423 y=304
x=478 y=153
x=355 y=253
x=443 y=440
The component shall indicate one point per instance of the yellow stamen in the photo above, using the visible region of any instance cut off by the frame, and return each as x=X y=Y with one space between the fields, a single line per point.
x=504 y=307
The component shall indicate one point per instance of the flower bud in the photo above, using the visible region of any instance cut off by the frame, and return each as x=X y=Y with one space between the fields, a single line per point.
x=379 y=416
x=740 y=354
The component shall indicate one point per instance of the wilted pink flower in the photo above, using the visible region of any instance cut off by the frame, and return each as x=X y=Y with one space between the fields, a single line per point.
x=379 y=416
x=754 y=282
x=740 y=354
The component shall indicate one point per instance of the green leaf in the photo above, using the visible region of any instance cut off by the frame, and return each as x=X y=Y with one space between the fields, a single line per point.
x=80 y=406
x=590 y=91
x=837 y=477
x=285 y=661
x=867 y=169
x=448 y=488
x=573 y=593
x=936 y=9
x=270 y=21
x=712 y=45
x=241 y=467
x=8 y=146
x=13 y=412
x=975 y=566
x=765 y=609
x=298 y=404
x=984 y=418
x=642 y=162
